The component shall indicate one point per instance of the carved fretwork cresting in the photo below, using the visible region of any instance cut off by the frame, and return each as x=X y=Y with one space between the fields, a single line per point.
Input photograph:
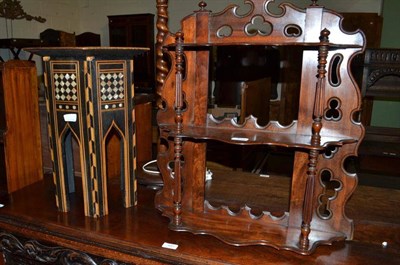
x=265 y=24
x=33 y=250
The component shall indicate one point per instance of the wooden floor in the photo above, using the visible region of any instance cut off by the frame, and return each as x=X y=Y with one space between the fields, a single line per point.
x=136 y=235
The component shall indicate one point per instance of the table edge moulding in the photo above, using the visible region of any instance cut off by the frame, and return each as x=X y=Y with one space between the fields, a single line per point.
x=324 y=135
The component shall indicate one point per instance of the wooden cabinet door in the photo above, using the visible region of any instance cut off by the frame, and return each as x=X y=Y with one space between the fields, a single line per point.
x=136 y=31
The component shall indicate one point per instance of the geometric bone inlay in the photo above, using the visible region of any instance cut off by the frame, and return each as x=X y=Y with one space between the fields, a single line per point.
x=112 y=86
x=65 y=86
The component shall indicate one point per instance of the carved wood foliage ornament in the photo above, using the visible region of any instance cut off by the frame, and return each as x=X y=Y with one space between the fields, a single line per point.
x=33 y=250
x=12 y=9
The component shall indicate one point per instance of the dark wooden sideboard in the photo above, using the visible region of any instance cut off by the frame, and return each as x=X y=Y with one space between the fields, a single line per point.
x=136 y=31
x=380 y=152
x=34 y=232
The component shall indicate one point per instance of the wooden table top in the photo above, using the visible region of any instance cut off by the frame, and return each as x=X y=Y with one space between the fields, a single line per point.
x=137 y=234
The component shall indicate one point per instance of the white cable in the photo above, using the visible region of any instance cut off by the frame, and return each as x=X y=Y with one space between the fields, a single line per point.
x=209 y=174
x=149 y=171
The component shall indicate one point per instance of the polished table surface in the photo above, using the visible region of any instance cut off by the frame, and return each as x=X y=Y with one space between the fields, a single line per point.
x=15 y=45
x=136 y=235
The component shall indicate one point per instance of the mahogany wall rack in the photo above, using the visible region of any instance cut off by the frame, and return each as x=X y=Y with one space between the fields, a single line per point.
x=325 y=134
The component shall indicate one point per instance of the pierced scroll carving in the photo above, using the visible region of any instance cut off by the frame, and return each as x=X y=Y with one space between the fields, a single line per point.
x=258 y=26
x=247 y=211
x=333 y=112
x=334 y=77
x=33 y=250
x=330 y=192
x=224 y=31
x=245 y=10
x=274 y=9
x=331 y=151
x=292 y=30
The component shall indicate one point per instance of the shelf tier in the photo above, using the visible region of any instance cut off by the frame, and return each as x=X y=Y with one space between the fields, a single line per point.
x=83 y=52
x=305 y=45
x=238 y=232
x=234 y=228
x=255 y=137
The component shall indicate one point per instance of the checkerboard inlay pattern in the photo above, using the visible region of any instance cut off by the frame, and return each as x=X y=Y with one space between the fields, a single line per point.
x=112 y=86
x=65 y=89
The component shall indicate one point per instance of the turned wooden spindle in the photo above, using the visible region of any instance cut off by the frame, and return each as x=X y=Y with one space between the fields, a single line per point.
x=308 y=205
x=178 y=122
x=320 y=88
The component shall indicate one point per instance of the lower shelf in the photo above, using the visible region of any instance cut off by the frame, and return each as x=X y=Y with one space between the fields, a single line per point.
x=237 y=232
x=243 y=209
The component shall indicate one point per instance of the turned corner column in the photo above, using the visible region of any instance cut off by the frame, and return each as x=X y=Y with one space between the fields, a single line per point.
x=308 y=205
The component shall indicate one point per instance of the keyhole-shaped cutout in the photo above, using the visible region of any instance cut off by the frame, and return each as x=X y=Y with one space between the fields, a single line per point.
x=293 y=30
x=334 y=77
x=329 y=193
x=224 y=31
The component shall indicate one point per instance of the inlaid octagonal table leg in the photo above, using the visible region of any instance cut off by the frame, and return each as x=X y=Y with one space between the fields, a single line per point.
x=89 y=95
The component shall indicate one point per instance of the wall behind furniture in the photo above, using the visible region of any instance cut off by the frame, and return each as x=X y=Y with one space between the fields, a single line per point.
x=91 y=15
x=59 y=14
x=386 y=113
x=94 y=12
